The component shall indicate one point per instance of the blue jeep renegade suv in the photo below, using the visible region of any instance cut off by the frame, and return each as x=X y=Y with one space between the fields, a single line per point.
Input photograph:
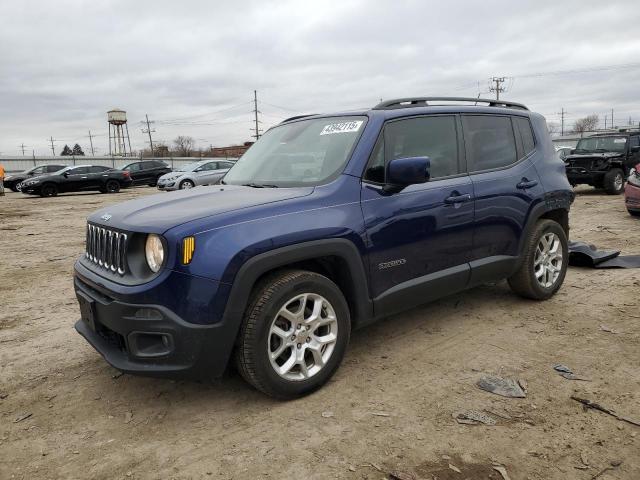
x=327 y=223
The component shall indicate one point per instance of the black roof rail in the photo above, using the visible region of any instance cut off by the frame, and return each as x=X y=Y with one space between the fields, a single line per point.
x=296 y=117
x=424 y=102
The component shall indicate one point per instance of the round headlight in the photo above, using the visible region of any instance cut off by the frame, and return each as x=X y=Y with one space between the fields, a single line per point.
x=154 y=252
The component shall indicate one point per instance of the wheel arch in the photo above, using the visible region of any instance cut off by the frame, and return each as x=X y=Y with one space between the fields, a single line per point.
x=337 y=259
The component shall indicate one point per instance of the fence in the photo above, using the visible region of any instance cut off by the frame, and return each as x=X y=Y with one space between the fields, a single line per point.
x=18 y=164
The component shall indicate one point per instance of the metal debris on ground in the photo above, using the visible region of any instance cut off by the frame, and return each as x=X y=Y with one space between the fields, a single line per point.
x=473 y=417
x=454 y=468
x=502 y=471
x=327 y=414
x=596 y=406
x=585 y=255
x=504 y=387
x=604 y=328
x=612 y=466
x=398 y=475
x=22 y=417
x=566 y=372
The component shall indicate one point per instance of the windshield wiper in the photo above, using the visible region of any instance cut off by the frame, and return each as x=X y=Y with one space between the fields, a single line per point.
x=259 y=185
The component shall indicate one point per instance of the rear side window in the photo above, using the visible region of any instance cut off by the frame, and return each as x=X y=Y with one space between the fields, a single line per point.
x=523 y=127
x=634 y=142
x=489 y=141
x=98 y=169
x=434 y=137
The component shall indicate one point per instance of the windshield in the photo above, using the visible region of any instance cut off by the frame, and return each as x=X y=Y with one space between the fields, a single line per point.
x=601 y=144
x=308 y=152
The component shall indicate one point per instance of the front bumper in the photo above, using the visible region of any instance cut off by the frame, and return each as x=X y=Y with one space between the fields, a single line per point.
x=577 y=175
x=167 y=185
x=139 y=334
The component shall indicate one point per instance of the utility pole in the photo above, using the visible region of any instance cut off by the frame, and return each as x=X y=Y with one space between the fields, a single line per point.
x=22 y=145
x=93 y=153
x=498 y=88
x=255 y=113
x=612 y=124
x=149 y=131
x=562 y=114
x=53 y=149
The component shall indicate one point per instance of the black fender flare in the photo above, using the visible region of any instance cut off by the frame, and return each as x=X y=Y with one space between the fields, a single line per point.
x=559 y=200
x=258 y=265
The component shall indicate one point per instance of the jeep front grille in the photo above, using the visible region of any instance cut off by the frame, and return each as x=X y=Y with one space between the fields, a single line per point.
x=107 y=248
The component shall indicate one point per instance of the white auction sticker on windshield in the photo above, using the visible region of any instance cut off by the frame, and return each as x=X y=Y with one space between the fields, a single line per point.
x=619 y=140
x=344 y=127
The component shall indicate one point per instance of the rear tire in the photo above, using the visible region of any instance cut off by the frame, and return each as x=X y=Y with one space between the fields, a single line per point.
x=48 y=190
x=543 y=269
x=613 y=181
x=635 y=213
x=112 y=186
x=14 y=188
x=294 y=333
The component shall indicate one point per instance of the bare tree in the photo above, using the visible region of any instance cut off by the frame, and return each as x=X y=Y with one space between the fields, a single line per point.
x=553 y=128
x=586 y=124
x=184 y=145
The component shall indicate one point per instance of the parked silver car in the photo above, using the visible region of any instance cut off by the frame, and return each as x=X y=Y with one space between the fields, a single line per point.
x=205 y=172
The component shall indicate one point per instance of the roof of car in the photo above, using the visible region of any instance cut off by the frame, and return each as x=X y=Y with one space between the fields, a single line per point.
x=623 y=133
x=420 y=105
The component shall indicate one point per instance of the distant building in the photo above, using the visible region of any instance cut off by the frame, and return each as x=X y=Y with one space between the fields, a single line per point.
x=233 y=151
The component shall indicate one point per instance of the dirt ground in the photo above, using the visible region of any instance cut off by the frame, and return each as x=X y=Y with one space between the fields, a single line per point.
x=64 y=413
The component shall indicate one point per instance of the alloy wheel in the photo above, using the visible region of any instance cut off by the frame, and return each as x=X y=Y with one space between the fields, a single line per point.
x=547 y=263
x=302 y=337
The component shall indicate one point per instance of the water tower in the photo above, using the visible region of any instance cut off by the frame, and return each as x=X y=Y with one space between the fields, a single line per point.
x=119 y=142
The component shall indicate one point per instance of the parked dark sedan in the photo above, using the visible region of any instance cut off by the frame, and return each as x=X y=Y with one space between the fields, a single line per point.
x=13 y=181
x=147 y=172
x=78 y=179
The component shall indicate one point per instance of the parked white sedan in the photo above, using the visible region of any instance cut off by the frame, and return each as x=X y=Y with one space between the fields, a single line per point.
x=205 y=172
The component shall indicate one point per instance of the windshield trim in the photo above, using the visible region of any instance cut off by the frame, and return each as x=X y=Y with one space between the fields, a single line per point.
x=325 y=181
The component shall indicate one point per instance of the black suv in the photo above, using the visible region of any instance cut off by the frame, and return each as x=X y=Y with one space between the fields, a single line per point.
x=604 y=160
x=147 y=172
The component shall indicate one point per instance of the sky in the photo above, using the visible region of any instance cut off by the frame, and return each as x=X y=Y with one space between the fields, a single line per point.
x=192 y=66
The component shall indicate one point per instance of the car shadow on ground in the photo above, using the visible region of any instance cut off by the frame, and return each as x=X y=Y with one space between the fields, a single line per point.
x=374 y=339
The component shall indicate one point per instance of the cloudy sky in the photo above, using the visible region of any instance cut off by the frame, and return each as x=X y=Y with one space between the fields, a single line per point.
x=192 y=66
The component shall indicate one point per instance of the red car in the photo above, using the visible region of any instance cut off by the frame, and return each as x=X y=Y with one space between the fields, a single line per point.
x=632 y=191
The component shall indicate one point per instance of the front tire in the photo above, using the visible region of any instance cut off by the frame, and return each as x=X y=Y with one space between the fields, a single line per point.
x=294 y=334
x=635 y=213
x=48 y=190
x=613 y=181
x=186 y=185
x=544 y=266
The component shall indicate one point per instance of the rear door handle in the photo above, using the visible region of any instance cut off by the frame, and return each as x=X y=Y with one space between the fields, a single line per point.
x=524 y=184
x=457 y=198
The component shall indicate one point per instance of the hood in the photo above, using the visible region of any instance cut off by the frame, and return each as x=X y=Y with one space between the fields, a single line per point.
x=38 y=178
x=606 y=155
x=159 y=213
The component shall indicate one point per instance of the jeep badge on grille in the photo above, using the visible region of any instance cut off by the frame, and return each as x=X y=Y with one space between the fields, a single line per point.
x=106 y=217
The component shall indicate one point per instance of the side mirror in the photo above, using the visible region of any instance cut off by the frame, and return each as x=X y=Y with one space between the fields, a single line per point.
x=402 y=172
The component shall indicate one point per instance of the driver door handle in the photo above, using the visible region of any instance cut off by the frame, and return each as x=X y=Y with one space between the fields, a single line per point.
x=457 y=198
x=526 y=183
